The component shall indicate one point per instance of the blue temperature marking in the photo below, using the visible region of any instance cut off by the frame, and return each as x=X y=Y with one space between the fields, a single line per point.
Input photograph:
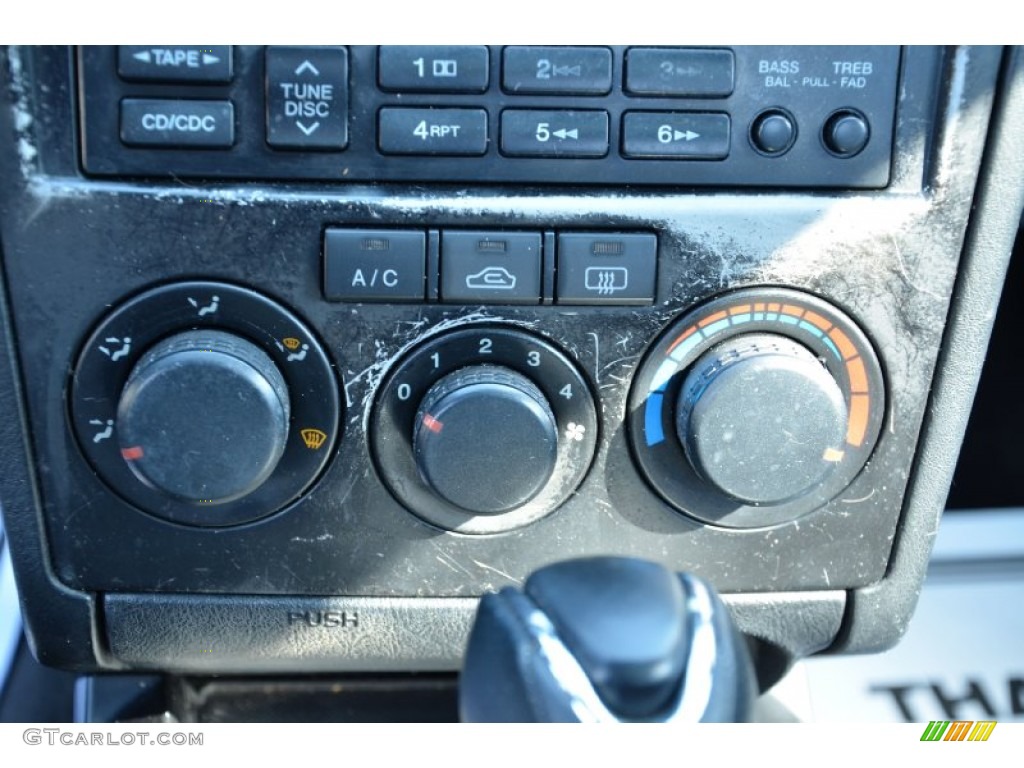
x=744 y=318
x=711 y=330
x=810 y=328
x=789 y=320
x=832 y=347
x=652 y=419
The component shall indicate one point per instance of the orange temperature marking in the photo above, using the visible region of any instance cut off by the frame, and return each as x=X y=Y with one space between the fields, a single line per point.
x=682 y=337
x=817 y=320
x=774 y=307
x=858 y=375
x=857 y=426
x=711 y=319
x=759 y=307
x=792 y=309
x=739 y=309
x=846 y=348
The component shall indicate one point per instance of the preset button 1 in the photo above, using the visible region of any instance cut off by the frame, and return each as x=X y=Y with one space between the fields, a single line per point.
x=374 y=265
x=307 y=98
x=433 y=68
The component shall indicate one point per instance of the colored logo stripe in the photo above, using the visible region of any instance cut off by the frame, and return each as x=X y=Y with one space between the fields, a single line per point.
x=958 y=730
x=934 y=730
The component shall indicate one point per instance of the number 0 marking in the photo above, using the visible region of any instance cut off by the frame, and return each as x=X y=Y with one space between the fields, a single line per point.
x=404 y=391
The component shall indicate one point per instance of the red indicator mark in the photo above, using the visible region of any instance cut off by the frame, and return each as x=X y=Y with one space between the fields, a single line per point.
x=133 y=453
x=432 y=424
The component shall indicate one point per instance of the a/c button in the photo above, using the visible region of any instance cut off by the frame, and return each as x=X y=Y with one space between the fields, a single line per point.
x=374 y=265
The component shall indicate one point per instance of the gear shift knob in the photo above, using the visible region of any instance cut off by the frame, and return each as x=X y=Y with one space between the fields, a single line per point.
x=606 y=639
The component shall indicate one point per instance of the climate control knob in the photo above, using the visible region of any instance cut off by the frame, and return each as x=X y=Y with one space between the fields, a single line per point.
x=204 y=417
x=484 y=429
x=485 y=439
x=761 y=419
x=756 y=408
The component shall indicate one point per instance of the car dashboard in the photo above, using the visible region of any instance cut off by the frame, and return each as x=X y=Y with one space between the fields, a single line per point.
x=308 y=348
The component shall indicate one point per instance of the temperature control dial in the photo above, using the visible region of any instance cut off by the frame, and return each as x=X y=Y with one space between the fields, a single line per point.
x=756 y=408
x=761 y=419
x=484 y=429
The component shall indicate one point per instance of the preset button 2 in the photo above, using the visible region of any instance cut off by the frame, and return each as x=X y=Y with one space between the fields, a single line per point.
x=541 y=69
x=307 y=98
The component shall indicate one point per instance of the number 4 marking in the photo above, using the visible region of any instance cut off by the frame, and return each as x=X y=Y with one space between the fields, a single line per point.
x=566 y=391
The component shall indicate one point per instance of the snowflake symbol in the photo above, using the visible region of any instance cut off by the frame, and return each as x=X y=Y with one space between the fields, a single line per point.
x=575 y=431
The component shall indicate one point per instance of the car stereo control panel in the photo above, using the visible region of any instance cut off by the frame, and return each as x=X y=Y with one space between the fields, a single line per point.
x=500 y=306
x=802 y=116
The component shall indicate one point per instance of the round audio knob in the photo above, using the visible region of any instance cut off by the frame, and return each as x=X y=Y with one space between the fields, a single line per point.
x=485 y=439
x=761 y=419
x=204 y=417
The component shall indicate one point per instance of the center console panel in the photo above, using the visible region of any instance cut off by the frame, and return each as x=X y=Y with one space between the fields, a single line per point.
x=471 y=346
